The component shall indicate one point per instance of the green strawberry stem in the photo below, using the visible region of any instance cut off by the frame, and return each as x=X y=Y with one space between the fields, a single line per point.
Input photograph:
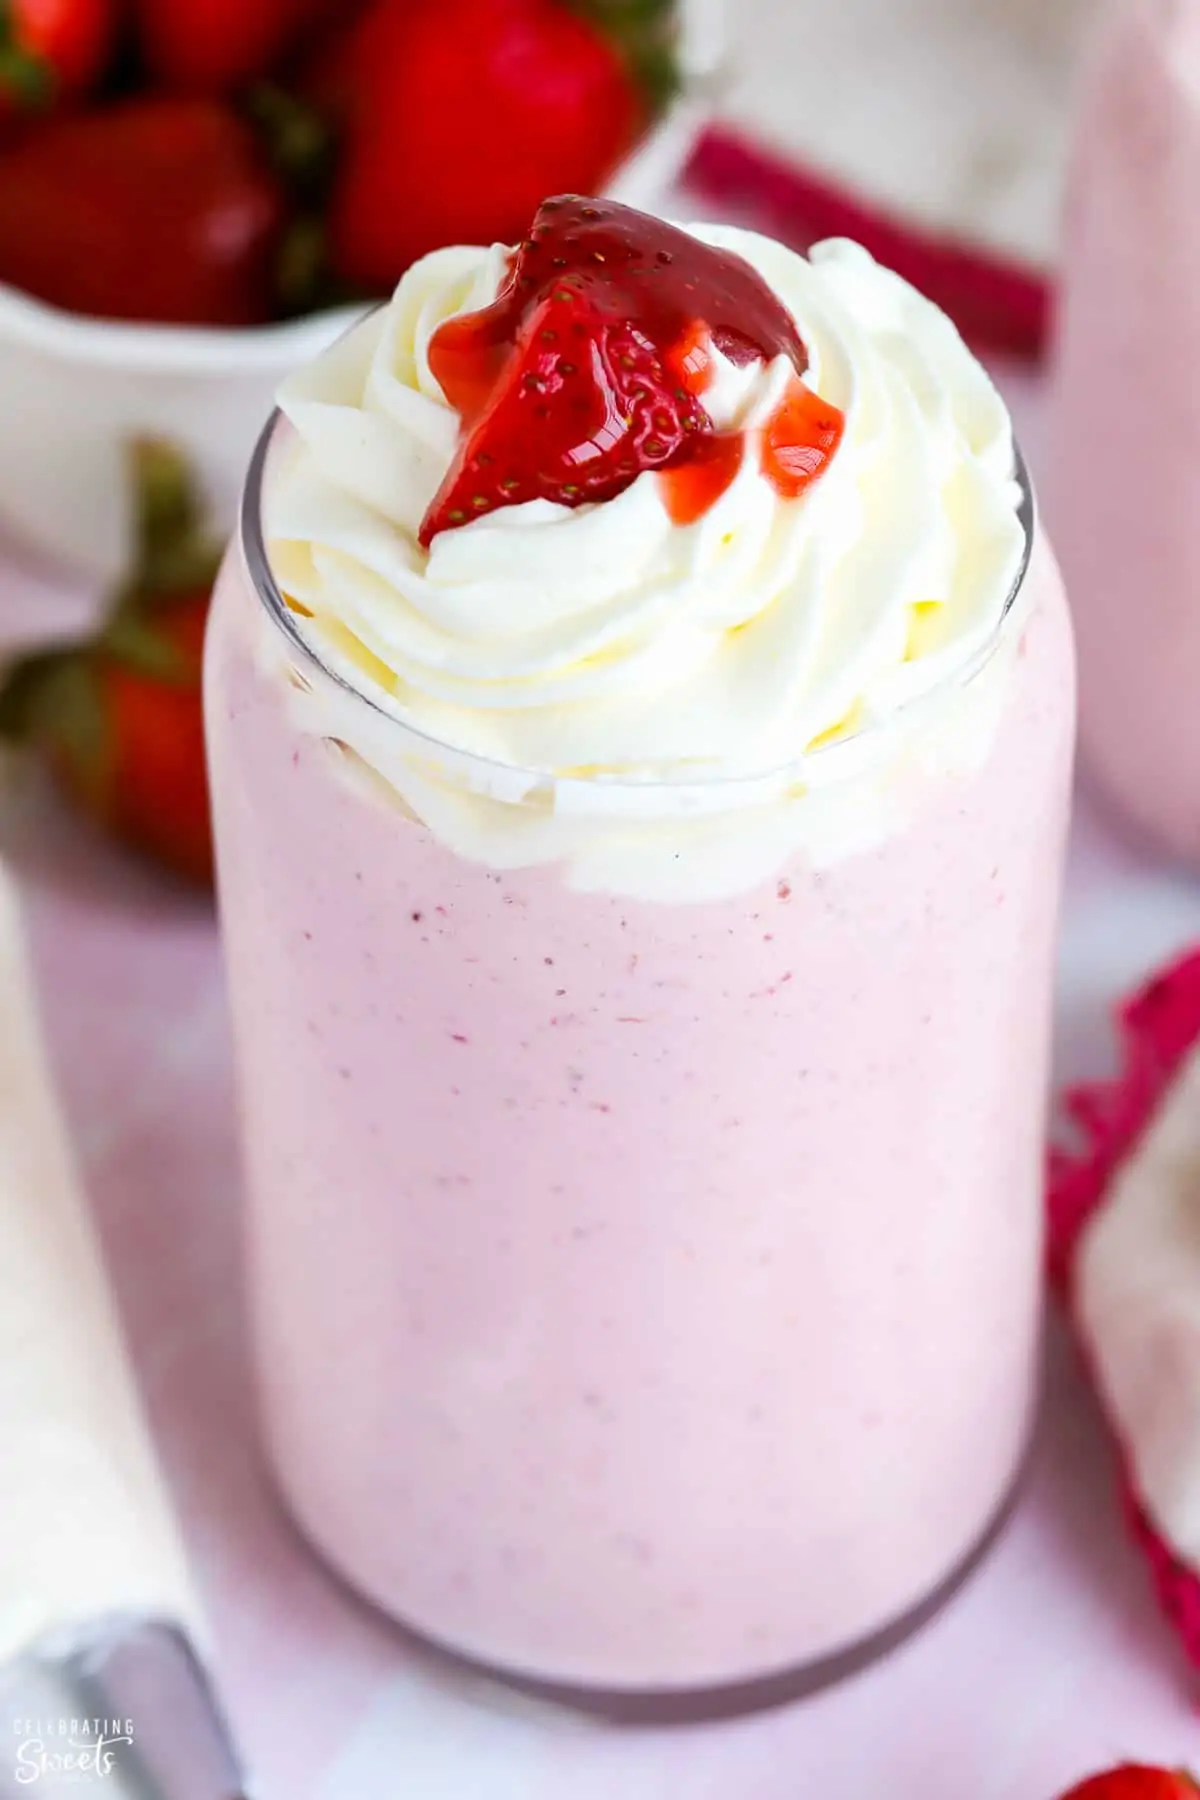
x=297 y=140
x=647 y=34
x=302 y=269
x=23 y=78
x=300 y=146
x=23 y=691
x=132 y=640
x=52 y=699
x=175 y=554
x=164 y=495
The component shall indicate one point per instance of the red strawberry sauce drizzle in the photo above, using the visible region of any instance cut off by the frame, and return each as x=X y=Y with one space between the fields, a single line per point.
x=690 y=488
x=590 y=366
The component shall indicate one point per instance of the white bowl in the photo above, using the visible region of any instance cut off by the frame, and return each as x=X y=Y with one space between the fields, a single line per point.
x=75 y=390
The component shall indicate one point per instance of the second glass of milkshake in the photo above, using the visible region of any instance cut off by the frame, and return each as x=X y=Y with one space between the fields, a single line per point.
x=1126 y=406
x=640 y=717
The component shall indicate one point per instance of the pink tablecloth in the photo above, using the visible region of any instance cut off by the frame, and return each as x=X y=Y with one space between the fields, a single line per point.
x=1051 y=1662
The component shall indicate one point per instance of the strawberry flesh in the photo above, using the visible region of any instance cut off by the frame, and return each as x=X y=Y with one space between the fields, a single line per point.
x=587 y=369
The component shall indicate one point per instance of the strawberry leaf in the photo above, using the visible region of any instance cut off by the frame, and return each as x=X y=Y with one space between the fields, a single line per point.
x=24 y=77
x=23 y=693
x=647 y=34
x=133 y=640
x=302 y=273
x=175 y=553
x=298 y=141
x=52 y=701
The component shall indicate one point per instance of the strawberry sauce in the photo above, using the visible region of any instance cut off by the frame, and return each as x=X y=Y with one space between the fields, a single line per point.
x=800 y=440
x=590 y=366
x=691 y=488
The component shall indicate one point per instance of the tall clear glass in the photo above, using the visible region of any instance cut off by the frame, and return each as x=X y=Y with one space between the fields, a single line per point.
x=645 y=1292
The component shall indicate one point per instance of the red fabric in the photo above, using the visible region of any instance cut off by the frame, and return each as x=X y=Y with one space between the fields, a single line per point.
x=1158 y=1027
x=997 y=305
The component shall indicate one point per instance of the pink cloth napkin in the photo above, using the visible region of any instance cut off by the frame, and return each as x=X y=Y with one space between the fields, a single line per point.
x=1124 y=1217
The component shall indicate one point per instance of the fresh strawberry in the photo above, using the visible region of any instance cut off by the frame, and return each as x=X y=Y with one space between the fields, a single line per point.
x=155 y=209
x=590 y=367
x=1136 y=1782
x=119 y=719
x=462 y=114
x=51 y=50
x=216 y=46
x=147 y=785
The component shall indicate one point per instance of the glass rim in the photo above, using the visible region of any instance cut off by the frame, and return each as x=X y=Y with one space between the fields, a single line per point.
x=289 y=623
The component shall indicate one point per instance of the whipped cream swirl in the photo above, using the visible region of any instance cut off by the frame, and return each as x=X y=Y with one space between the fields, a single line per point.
x=608 y=646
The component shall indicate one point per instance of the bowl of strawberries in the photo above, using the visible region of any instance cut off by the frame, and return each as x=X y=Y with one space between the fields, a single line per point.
x=196 y=195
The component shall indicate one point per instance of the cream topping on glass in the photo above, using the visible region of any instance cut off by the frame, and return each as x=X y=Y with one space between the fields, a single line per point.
x=608 y=645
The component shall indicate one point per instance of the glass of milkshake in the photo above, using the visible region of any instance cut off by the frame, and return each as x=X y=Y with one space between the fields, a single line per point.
x=1127 y=416
x=640 y=716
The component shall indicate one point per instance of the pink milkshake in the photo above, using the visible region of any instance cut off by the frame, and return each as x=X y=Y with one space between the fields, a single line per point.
x=1127 y=471
x=643 y=1098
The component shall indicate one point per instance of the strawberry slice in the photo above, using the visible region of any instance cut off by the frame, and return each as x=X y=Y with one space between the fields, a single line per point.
x=582 y=406
x=587 y=368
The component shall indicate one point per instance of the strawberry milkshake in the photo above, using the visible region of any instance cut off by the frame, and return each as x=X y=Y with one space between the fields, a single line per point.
x=1124 y=496
x=640 y=719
